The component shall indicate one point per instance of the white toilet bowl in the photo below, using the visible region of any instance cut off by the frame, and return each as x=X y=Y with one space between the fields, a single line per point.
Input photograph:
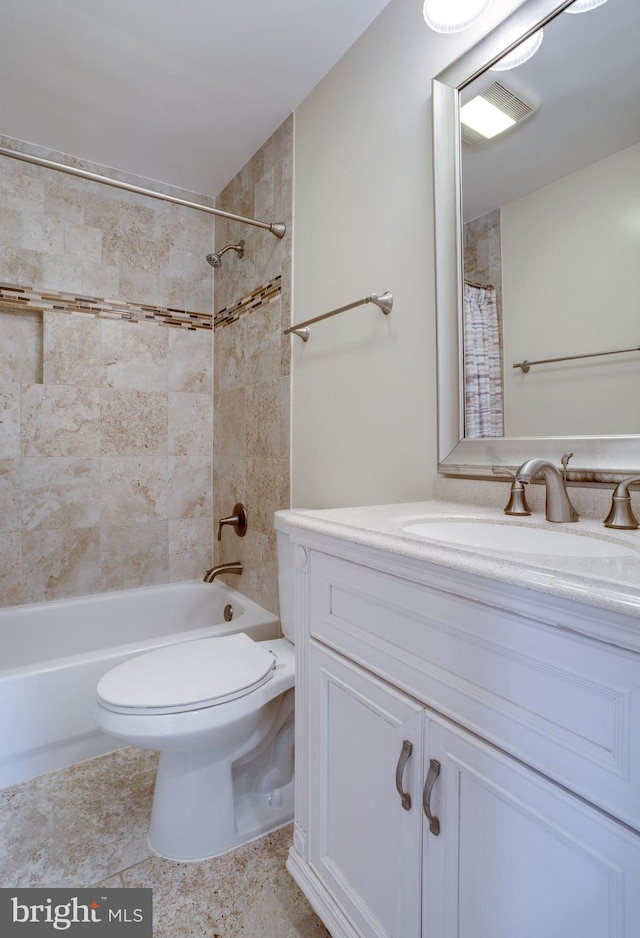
x=226 y=744
x=220 y=712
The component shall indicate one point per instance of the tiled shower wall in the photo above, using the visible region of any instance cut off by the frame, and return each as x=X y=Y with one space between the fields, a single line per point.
x=252 y=365
x=106 y=441
x=105 y=425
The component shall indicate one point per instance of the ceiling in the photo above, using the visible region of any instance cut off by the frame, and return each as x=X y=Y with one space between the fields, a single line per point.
x=180 y=91
x=585 y=83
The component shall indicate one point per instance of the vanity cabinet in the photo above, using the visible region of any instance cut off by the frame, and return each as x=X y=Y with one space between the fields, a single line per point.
x=519 y=736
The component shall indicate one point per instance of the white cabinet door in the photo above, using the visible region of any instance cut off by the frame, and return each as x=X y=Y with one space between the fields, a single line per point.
x=364 y=845
x=517 y=856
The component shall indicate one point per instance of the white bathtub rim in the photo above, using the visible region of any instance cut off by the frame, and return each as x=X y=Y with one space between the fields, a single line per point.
x=248 y=609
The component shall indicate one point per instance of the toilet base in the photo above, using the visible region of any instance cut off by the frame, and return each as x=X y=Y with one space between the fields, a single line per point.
x=205 y=805
x=256 y=815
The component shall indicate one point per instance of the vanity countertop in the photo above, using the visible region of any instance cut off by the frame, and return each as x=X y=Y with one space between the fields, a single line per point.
x=611 y=583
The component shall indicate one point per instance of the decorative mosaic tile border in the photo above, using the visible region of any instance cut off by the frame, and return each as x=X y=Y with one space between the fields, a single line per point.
x=247 y=304
x=19 y=299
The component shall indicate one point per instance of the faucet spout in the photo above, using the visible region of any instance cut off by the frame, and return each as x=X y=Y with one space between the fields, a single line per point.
x=234 y=567
x=558 y=504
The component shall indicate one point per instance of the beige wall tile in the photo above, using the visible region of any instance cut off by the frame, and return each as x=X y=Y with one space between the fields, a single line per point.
x=61 y=273
x=71 y=350
x=135 y=355
x=102 y=282
x=12 y=233
x=60 y=493
x=20 y=347
x=21 y=191
x=21 y=267
x=199 y=292
x=190 y=360
x=10 y=497
x=133 y=423
x=11 y=569
x=190 y=480
x=268 y=490
x=82 y=241
x=262 y=336
x=42 y=234
x=229 y=356
x=229 y=487
x=63 y=200
x=190 y=548
x=190 y=424
x=268 y=418
x=9 y=420
x=60 y=563
x=60 y=421
x=229 y=425
x=260 y=577
x=133 y=489
x=134 y=554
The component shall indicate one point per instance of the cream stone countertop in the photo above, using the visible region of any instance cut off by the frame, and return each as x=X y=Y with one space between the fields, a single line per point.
x=607 y=583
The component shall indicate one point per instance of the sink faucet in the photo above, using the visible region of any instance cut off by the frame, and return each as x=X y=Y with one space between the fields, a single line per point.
x=558 y=504
x=234 y=567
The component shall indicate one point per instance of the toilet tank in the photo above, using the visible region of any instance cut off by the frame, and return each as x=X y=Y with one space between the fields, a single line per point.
x=285 y=584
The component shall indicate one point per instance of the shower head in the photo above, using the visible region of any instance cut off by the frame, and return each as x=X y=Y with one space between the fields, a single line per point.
x=216 y=259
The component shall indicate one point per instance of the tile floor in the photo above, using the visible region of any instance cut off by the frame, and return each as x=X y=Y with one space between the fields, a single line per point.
x=86 y=825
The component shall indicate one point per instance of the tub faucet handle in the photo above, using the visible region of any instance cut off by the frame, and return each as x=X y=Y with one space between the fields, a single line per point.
x=517 y=504
x=238 y=519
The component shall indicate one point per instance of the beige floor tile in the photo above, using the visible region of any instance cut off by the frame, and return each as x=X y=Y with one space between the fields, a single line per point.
x=246 y=892
x=76 y=826
x=87 y=824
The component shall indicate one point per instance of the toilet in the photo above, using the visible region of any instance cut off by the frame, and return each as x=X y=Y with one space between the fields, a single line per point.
x=220 y=712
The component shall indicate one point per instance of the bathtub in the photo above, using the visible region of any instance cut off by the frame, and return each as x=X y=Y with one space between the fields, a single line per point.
x=52 y=655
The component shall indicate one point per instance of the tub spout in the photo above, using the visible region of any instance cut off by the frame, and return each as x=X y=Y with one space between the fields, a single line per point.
x=234 y=567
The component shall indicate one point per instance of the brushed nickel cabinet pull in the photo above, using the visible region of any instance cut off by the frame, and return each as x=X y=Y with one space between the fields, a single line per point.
x=434 y=772
x=405 y=797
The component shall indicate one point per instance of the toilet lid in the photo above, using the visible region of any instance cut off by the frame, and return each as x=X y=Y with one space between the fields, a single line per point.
x=187 y=676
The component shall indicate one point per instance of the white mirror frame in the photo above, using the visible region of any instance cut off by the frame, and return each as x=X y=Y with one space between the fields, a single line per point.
x=596 y=458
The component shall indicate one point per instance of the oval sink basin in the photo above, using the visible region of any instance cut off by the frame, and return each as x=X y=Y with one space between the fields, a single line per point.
x=521 y=539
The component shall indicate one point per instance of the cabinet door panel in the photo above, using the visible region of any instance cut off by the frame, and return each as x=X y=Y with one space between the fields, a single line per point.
x=363 y=844
x=518 y=855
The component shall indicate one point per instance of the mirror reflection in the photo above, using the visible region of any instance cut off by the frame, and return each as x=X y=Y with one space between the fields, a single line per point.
x=551 y=223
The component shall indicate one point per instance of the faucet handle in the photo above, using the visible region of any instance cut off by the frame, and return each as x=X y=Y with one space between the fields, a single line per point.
x=621 y=515
x=517 y=504
x=238 y=519
x=564 y=459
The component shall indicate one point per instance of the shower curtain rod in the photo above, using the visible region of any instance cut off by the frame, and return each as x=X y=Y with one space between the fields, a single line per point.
x=276 y=228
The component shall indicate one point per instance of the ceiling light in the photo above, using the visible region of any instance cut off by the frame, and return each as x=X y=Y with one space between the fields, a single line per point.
x=485 y=118
x=490 y=113
x=522 y=53
x=452 y=16
x=583 y=6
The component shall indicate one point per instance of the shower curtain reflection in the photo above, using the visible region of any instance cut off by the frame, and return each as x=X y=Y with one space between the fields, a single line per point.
x=483 y=385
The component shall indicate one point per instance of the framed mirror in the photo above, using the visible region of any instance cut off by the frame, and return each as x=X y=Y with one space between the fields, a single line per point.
x=538 y=245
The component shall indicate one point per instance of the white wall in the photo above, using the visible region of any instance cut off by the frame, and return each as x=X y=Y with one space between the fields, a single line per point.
x=589 y=221
x=364 y=386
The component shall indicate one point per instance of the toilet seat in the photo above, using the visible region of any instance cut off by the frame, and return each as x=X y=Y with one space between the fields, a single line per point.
x=187 y=676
